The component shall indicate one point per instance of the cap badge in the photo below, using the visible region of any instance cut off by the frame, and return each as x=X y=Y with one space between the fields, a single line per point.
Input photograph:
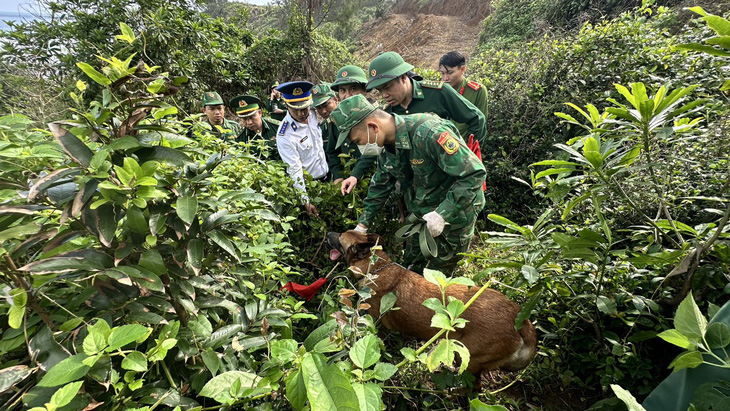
x=297 y=92
x=242 y=103
x=344 y=74
x=315 y=91
x=210 y=95
x=373 y=73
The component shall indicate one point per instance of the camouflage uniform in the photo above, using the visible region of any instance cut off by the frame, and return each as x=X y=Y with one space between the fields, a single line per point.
x=229 y=130
x=438 y=173
x=364 y=163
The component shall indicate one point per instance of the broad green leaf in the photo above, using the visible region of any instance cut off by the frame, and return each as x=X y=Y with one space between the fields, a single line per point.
x=689 y=320
x=627 y=398
x=95 y=341
x=443 y=353
x=219 y=386
x=720 y=25
x=223 y=242
x=135 y=361
x=106 y=223
x=384 y=370
x=464 y=355
x=441 y=321
x=528 y=306
x=127 y=33
x=211 y=360
x=195 y=254
x=675 y=337
x=164 y=155
x=328 y=388
x=74 y=148
x=296 y=390
x=530 y=273
x=387 y=302
x=476 y=405
x=606 y=305
x=627 y=95
x=688 y=359
x=187 y=207
x=65 y=394
x=152 y=260
x=369 y=395
x=552 y=171
x=66 y=371
x=136 y=221
x=365 y=352
x=591 y=151
x=93 y=74
x=15 y=316
x=322 y=332
x=126 y=334
x=717 y=335
x=284 y=350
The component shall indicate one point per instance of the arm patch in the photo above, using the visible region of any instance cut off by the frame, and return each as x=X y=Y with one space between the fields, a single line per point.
x=474 y=85
x=448 y=142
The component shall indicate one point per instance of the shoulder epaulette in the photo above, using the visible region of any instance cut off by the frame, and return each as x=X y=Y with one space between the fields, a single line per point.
x=474 y=85
x=273 y=121
x=432 y=84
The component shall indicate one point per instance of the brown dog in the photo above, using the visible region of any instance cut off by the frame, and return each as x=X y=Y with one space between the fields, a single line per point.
x=489 y=335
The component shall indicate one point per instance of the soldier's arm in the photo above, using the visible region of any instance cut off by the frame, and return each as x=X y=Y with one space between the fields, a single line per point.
x=381 y=185
x=456 y=160
x=462 y=111
x=333 y=154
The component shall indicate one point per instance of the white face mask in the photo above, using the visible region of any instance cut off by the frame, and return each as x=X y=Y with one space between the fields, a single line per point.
x=370 y=149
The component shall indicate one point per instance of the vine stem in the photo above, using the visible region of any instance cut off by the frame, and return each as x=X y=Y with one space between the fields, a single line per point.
x=168 y=375
x=443 y=331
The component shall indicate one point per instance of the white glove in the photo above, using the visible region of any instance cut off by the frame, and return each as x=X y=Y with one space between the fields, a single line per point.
x=361 y=229
x=435 y=223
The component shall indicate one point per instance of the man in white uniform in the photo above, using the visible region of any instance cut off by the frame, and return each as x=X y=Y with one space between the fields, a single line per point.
x=299 y=138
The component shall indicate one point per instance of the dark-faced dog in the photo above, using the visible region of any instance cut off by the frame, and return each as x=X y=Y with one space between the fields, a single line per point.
x=489 y=335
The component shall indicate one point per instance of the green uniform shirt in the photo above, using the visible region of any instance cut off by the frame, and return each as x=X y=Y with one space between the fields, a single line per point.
x=476 y=94
x=267 y=136
x=434 y=167
x=441 y=99
x=362 y=165
x=231 y=129
x=278 y=104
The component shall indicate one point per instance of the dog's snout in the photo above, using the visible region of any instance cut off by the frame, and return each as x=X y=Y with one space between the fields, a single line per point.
x=333 y=239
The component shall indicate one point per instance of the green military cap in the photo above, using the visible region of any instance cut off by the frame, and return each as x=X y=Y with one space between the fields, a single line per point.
x=349 y=113
x=321 y=94
x=211 y=98
x=349 y=75
x=385 y=68
x=244 y=106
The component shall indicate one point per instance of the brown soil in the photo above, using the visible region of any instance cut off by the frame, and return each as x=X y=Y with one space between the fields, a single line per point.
x=422 y=34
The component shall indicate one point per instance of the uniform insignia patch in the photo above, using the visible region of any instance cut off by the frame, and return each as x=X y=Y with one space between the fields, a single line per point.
x=294 y=126
x=432 y=84
x=304 y=139
x=474 y=85
x=448 y=142
x=315 y=91
x=297 y=92
x=417 y=161
x=373 y=73
x=242 y=103
x=284 y=125
x=344 y=74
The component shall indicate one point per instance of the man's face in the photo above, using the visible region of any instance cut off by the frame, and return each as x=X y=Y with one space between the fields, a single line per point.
x=452 y=75
x=253 y=122
x=215 y=114
x=348 y=90
x=394 y=91
x=324 y=110
x=299 y=114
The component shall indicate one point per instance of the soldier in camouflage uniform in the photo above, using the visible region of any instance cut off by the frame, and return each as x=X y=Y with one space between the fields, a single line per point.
x=258 y=131
x=324 y=102
x=215 y=110
x=452 y=66
x=425 y=154
x=405 y=95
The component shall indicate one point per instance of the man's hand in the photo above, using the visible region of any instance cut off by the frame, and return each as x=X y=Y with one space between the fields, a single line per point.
x=275 y=94
x=348 y=185
x=338 y=181
x=361 y=229
x=435 y=223
x=311 y=209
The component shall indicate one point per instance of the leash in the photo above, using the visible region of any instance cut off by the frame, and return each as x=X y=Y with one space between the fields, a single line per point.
x=416 y=226
x=387 y=265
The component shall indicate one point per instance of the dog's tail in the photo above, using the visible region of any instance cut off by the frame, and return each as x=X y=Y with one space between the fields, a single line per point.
x=523 y=356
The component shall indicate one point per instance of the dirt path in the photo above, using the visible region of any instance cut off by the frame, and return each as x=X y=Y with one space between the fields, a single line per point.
x=422 y=38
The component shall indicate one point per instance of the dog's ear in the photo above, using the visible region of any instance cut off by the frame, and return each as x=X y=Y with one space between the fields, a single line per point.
x=375 y=239
x=363 y=250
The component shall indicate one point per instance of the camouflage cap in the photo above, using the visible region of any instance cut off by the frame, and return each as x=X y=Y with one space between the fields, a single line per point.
x=349 y=75
x=349 y=113
x=321 y=94
x=385 y=68
x=211 y=98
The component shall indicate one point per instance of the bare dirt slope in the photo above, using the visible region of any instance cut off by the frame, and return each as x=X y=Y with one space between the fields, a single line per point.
x=423 y=33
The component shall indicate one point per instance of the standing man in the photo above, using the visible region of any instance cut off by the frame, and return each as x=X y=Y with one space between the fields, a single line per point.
x=299 y=138
x=215 y=110
x=325 y=102
x=452 y=66
x=404 y=95
x=425 y=153
x=258 y=131
x=275 y=106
